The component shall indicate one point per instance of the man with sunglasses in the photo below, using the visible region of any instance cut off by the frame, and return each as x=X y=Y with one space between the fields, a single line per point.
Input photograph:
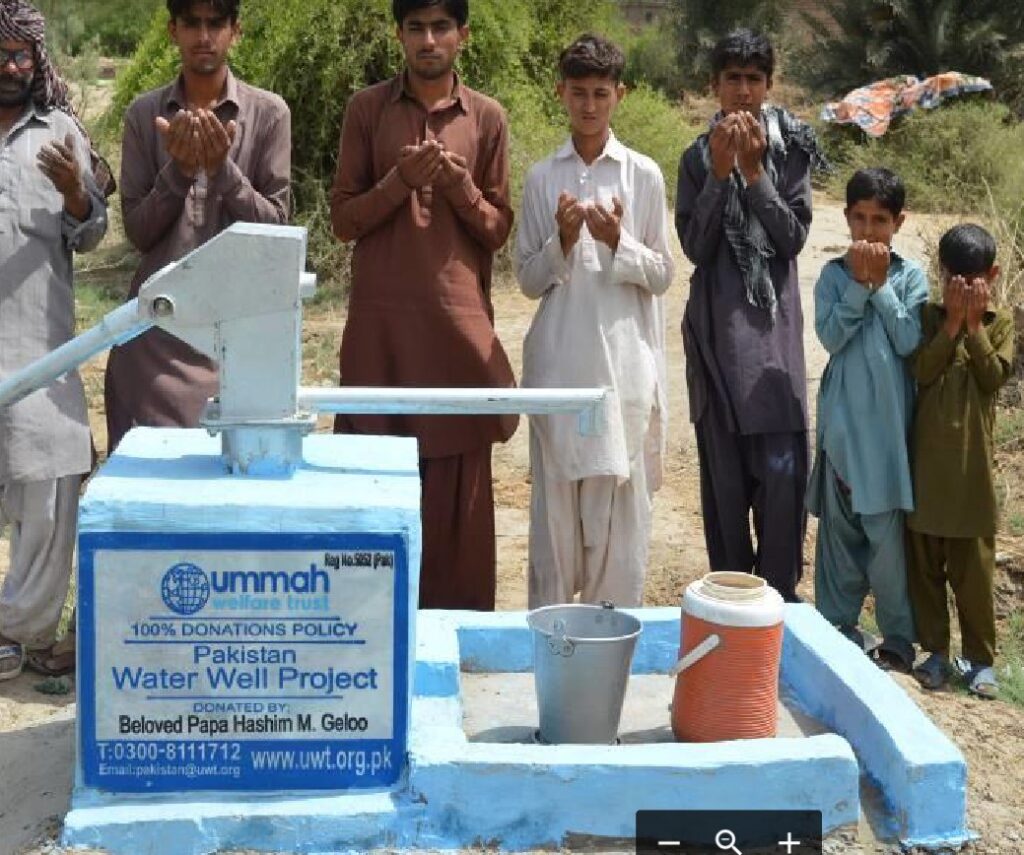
x=199 y=154
x=50 y=207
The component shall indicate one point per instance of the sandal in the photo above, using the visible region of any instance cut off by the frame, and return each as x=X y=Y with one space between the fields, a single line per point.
x=12 y=659
x=55 y=661
x=981 y=679
x=859 y=638
x=933 y=673
x=894 y=654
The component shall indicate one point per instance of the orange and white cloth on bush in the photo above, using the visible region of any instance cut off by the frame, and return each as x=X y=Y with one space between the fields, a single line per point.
x=873 y=107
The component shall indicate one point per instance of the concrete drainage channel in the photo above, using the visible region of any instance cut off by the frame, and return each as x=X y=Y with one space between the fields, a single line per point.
x=477 y=775
x=842 y=719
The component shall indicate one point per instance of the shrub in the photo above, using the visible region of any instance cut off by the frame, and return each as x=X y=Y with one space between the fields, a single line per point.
x=113 y=26
x=947 y=157
x=645 y=123
x=652 y=60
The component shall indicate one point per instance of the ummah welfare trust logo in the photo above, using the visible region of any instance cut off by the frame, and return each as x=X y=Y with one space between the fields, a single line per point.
x=185 y=589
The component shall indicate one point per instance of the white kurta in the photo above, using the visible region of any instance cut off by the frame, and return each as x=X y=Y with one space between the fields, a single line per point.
x=600 y=323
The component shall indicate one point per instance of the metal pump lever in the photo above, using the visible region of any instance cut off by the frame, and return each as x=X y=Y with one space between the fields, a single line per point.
x=238 y=299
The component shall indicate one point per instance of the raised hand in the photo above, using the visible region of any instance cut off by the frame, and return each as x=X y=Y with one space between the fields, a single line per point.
x=181 y=137
x=877 y=264
x=57 y=162
x=857 y=263
x=420 y=165
x=954 y=299
x=453 y=169
x=751 y=146
x=722 y=143
x=976 y=303
x=569 y=216
x=605 y=225
x=215 y=140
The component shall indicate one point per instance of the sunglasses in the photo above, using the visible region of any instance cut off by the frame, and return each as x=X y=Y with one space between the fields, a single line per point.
x=22 y=58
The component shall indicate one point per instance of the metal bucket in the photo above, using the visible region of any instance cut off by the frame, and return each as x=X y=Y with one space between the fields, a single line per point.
x=581 y=661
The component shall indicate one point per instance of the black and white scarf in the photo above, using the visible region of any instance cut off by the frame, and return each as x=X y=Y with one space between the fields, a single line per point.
x=750 y=244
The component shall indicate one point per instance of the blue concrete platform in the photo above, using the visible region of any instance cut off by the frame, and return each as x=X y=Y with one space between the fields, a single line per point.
x=459 y=793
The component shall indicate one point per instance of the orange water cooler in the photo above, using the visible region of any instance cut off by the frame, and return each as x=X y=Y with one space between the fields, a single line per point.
x=727 y=683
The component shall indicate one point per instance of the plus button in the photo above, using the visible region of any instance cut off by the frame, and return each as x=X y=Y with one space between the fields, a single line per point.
x=789 y=843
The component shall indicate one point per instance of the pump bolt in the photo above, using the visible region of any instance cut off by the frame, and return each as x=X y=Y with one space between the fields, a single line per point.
x=162 y=307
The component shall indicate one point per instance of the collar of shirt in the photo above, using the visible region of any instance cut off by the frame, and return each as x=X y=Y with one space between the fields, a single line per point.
x=400 y=89
x=612 y=149
x=177 y=98
x=32 y=112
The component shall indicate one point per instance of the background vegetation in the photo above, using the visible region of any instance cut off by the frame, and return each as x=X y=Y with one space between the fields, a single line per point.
x=111 y=27
x=857 y=41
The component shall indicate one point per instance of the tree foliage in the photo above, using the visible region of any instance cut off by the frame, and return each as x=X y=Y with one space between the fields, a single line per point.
x=858 y=41
x=111 y=27
x=699 y=24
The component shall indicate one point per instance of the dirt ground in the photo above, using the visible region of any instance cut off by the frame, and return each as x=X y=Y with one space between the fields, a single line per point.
x=36 y=730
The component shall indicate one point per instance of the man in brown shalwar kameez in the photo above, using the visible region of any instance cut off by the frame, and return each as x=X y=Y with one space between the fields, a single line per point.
x=422 y=188
x=198 y=155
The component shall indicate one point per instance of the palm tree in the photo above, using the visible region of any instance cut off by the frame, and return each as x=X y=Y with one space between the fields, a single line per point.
x=871 y=39
x=699 y=24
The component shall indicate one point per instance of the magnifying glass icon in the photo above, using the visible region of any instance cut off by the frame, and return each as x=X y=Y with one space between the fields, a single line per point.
x=725 y=840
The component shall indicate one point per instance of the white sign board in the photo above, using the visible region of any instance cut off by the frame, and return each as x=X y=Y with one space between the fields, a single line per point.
x=243 y=661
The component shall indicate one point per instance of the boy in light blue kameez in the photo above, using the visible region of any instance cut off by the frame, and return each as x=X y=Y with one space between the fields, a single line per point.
x=868 y=317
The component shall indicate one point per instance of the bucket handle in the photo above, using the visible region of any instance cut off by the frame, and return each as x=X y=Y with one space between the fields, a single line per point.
x=695 y=655
x=558 y=644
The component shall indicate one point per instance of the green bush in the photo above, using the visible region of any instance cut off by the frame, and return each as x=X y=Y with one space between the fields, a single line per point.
x=949 y=157
x=652 y=60
x=645 y=123
x=317 y=53
x=113 y=27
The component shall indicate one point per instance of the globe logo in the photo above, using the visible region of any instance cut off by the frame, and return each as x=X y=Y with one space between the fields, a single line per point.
x=185 y=589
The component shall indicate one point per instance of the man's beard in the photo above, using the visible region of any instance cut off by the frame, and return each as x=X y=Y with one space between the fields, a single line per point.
x=11 y=97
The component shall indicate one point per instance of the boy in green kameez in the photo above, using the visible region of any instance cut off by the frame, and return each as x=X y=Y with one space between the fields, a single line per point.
x=966 y=356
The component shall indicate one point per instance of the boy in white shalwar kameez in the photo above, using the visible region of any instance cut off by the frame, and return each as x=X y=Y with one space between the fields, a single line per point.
x=593 y=247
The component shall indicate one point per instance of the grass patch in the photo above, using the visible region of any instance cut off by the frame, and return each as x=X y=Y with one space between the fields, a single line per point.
x=1011 y=670
x=1009 y=427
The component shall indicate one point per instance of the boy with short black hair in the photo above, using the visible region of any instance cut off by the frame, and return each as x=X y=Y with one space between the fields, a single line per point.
x=593 y=247
x=422 y=191
x=743 y=209
x=182 y=9
x=198 y=154
x=868 y=317
x=966 y=357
